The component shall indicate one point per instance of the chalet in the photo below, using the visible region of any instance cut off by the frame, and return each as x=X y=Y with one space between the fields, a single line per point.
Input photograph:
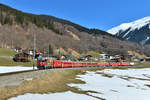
x=17 y=49
x=22 y=57
x=104 y=56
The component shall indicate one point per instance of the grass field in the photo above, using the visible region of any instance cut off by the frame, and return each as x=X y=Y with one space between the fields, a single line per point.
x=10 y=62
x=6 y=58
x=144 y=63
x=7 y=52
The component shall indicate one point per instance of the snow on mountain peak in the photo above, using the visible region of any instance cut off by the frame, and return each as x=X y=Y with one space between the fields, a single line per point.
x=132 y=26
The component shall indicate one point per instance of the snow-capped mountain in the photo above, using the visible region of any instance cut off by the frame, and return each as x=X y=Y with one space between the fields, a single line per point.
x=137 y=31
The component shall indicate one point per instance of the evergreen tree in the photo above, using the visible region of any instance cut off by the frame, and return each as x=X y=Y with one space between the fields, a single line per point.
x=19 y=19
x=50 y=49
x=2 y=19
x=8 y=20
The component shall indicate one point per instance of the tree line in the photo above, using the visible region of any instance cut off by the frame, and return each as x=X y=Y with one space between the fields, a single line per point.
x=40 y=21
x=9 y=16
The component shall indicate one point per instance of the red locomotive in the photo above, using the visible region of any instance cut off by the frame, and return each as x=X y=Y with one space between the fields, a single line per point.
x=45 y=63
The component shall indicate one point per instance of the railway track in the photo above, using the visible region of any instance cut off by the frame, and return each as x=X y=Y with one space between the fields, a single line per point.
x=16 y=72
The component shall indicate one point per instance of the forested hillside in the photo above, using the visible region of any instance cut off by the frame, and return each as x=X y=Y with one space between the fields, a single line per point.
x=17 y=29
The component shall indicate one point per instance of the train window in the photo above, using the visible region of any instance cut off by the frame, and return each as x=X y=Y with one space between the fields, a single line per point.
x=40 y=59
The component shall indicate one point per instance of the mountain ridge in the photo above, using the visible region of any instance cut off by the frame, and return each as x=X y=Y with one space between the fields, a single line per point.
x=136 y=31
x=135 y=25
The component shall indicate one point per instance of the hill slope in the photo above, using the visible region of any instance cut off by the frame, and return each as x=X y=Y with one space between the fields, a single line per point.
x=17 y=29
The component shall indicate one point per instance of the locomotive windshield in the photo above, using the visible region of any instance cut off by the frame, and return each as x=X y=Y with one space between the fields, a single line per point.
x=41 y=59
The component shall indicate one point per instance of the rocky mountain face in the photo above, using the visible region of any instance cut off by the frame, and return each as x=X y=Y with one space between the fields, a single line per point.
x=137 y=31
x=17 y=29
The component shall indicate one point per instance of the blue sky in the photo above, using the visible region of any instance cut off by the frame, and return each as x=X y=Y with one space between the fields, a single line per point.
x=101 y=14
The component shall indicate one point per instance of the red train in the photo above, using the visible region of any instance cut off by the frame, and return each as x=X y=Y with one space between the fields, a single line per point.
x=48 y=63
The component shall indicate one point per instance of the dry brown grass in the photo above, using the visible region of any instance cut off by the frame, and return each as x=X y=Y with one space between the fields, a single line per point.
x=138 y=55
x=147 y=85
x=75 y=37
x=74 y=53
x=55 y=82
x=105 y=75
x=60 y=50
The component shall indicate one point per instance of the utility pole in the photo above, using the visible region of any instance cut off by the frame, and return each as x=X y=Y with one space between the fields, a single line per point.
x=48 y=50
x=34 y=51
x=71 y=56
x=59 y=49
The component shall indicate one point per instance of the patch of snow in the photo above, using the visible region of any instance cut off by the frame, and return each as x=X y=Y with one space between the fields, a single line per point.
x=133 y=25
x=128 y=38
x=126 y=34
x=147 y=38
x=5 y=69
x=56 y=96
x=117 y=88
x=132 y=63
x=144 y=41
x=138 y=73
x=29 y=79
x=121 y=27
